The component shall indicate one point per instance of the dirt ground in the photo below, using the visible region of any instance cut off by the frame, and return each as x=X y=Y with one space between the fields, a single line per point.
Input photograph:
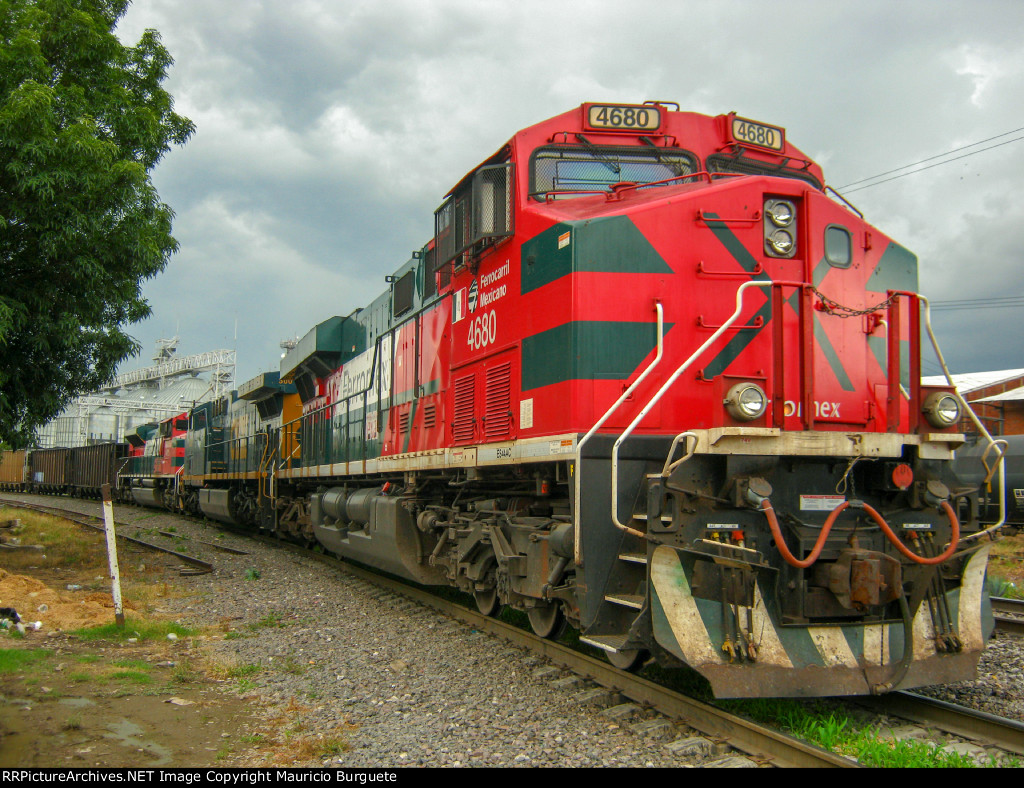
x=75 y=703
x=143 y=698
x=140 y=698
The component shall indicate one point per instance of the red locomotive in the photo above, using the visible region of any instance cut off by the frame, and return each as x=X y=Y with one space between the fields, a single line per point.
x=648 y=378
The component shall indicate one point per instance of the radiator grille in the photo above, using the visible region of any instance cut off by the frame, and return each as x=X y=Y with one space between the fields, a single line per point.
x=463 y=421
x=429 y=415
x=498 y=401
x=403 y=423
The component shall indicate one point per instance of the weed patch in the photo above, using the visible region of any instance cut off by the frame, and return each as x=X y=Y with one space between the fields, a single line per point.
x=134 y=628
x=17 y=660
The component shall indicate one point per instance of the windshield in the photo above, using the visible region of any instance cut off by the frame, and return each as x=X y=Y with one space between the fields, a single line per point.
x=579 y=168
x=740 y=165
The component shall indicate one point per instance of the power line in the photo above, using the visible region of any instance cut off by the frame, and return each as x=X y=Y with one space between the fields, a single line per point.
x=930 y=166
x=979 y=303
x=930 y=158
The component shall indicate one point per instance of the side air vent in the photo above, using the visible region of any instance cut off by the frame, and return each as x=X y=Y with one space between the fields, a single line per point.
x=498 y=401
x=463 y=421
x=429 y=415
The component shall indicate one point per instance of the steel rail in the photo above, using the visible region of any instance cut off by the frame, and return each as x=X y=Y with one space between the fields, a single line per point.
x=69 y=515
x=1011 y=624
x=762 y=743
x=758 y=741
x=1004 y=604
x=967 y=723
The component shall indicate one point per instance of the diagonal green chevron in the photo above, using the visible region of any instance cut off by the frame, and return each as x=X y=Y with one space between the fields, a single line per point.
x=610 y=244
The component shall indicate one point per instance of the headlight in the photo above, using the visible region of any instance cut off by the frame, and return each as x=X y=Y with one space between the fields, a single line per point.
x=780 y=212
x=746 y=401
x=941 y=409
x=779 y=224
x=781 y=242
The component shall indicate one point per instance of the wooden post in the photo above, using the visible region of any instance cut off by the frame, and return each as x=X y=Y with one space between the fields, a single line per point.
x=108 y=519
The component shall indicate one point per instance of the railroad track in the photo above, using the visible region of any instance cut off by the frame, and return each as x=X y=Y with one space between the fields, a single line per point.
x=87 y=520
x=1009 y=615
x=763 y=744
x=961 y=721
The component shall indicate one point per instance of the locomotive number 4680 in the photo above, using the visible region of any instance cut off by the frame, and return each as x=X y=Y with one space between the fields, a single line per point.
x=759 y=134
x=623 y=117
x=483 y=330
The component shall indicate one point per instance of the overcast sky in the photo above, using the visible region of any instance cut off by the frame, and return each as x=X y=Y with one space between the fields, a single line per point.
x=329 y=131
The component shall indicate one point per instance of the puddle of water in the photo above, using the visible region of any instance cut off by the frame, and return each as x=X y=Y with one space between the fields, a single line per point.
x=76 y=703
x=126 y=732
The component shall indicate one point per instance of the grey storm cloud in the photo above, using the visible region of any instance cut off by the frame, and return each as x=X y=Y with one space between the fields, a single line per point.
x=329 y=132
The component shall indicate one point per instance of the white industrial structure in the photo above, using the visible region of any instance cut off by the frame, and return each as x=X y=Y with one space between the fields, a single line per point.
x=171 y=385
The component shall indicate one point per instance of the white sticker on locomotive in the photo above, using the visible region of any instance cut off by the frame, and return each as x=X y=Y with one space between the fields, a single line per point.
x=563 y=239
x=1018 y=493
x=916 y=526
x=526 y=413
x=723 y=526
x=560 y=447
x=820 y=503
x=459 y=305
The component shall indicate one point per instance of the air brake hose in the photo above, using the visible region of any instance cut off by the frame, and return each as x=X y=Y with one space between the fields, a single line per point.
x=792 y=560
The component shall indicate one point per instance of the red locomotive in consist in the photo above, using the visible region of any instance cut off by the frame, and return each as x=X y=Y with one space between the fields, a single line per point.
x=649 y=378
x=156 y=456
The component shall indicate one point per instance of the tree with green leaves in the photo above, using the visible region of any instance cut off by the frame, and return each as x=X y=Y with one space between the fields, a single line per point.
x=83 y=121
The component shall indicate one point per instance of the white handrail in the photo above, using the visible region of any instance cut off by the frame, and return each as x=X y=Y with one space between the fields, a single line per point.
x=992 y=442
x=665 y=387
x=577 y=530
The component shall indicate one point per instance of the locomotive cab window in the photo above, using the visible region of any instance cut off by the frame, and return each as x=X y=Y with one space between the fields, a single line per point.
x=477 y=214
x=738 y=164
x=403 y=293
x=838 y=246
x=588 y=169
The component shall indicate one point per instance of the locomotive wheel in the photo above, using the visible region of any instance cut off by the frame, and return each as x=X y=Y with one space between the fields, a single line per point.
x=487 y=601
x=547 y=621
x=628 y=659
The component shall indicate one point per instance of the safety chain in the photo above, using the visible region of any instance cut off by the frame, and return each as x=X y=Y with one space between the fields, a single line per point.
x=835 y=308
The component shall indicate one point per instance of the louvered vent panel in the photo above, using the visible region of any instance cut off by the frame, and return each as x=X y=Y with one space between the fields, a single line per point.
x=403 y=423
x=463 y=418
x=498 y=401
x=429 y=415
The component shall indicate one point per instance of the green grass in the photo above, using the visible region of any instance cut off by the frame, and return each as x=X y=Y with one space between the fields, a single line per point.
x=828 y=725
x=998 y=586
x=268 y=621
x=238 y=671
x=184 y=673
x=15 y=660
x=134 y=628
x=132 y=676
x=253 y=738
x=293 y=667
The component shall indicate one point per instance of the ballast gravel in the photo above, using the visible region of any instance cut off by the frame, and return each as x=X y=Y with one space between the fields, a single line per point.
x=323 y=652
